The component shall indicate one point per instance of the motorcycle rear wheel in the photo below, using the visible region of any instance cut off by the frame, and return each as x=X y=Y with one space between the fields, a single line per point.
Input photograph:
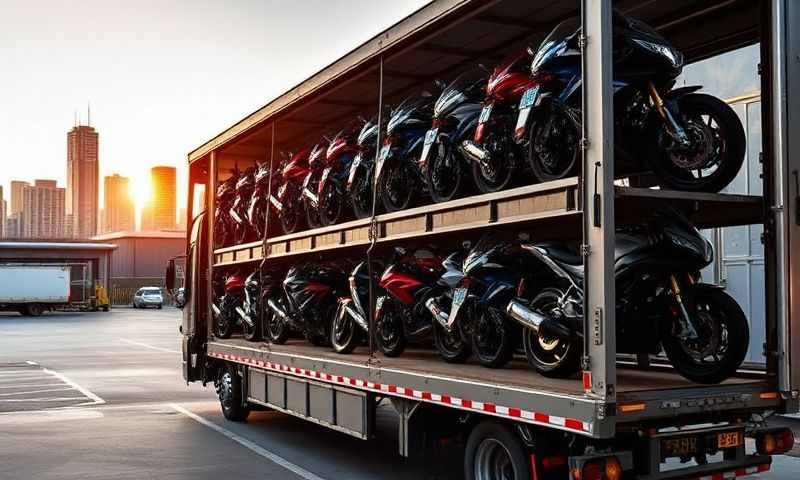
x=224 y=322
x=361 y=196
x=550 y=356
x=389 y=333
x=277 y=328
x=492 y=339
x=719 y=320
x=331 y=205
x=451 y=347
x=706 y=119
x=290 y=218
x=498 y=173
x=345 y=336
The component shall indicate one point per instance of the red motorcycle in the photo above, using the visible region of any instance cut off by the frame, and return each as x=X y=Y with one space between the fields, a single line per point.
x=331 y=201
x=226 y=316
x=259 y=201
x=495 y=156
x=223 y=223
x=316 y=165
x=287 y=201
x=401 y=315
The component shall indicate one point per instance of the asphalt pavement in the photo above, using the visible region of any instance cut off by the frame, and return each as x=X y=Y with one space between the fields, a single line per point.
x=100 y=395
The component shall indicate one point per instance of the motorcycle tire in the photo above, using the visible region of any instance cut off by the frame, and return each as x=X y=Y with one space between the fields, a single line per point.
x=550 y=356
x=361 y=197
x=223 y=325
x=398 y=175
x=345 y=336
x=254 y=333
x=276 y=328
x=389 y=332
x=492 y=338
x=313 y=219
x=555 y=159
x=731 y=151
x=451 y=347
x=332 y=205
x=721 y=310
x=438 y=170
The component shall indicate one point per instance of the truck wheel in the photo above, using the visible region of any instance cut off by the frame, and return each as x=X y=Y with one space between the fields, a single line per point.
x=33 y=310
x=229 y=391
x=494 y=451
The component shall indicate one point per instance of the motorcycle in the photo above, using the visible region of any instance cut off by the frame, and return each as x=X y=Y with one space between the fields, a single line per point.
x=258 y=209
x=331 y=189
x=442 y=162
x=242 y=228
x=661 y=302
x=250 y=310
x=226 y=317
x=359 y=180
x=307 y=304
x=225 y=195
x=495 y=157
x=316 y=164
x=351 y=322
x=692 y=141
x=400 y=313
x=397 y=177
x=287 y=202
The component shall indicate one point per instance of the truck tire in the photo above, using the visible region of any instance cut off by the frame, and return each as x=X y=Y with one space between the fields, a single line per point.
x=493 y=452
x=229 y=391
x=33 y=310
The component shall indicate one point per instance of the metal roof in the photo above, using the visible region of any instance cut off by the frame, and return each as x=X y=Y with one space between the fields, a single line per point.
x=445 y=38
x=143 y=234
x=56 y=246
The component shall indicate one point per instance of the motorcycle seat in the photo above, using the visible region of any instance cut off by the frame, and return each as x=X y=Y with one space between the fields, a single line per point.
x=562 y=254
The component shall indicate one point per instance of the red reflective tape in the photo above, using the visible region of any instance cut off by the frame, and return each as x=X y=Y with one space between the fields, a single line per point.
x=573 y=424
x=489 y=407
x=392 y=389
x=466 y=403
x=446 y=399
x=426 y=395
x=541 y=417
x=514 y=412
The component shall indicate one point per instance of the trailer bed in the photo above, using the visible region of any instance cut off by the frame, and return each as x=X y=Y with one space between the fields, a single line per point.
x=514 y=391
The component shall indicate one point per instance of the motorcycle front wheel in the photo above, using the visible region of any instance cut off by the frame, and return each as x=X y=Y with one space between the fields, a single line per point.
x=331 y=205
x=553 y=145
x=277 y=328
x=445 y=174
x=492 y=338
x=225 y=321
x=722 y=339
x=389 y=333
x=290 y=216
x=451 y=347
x=398 y=186
x=549 y=355
x=716 y=151
x=361 y=196
x=252 y=332
x=344 y=332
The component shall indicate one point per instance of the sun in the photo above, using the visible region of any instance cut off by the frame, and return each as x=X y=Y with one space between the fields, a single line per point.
x=141 y=191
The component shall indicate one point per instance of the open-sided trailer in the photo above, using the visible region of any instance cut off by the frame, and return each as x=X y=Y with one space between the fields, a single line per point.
x=614 y=422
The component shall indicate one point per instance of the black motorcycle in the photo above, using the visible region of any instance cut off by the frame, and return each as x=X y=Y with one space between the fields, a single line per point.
x=307 y=304
x=250 y=310
x=443 y=164
x=223 y=224
x=351 y=322
x=316 y=165
x=397 y=176
x=258 y=209
x=692 y=141
x=230 y=294
x=359 y=180
x=242 y=228
x=661 y=302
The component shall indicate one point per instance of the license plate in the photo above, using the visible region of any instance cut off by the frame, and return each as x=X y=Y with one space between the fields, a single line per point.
x=679 y=447
x=459 y=296
x=430 y=138
x=729 y=439
x=529 y=97
x=485 y=113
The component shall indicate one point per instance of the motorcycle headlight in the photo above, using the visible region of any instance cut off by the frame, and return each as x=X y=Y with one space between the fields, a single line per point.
x=666 y=51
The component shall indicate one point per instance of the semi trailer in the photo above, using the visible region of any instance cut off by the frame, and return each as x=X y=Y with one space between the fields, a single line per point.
x=34 y=289
x=621 y=417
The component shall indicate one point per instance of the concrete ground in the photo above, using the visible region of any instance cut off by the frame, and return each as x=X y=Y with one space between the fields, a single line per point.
x=129 y=415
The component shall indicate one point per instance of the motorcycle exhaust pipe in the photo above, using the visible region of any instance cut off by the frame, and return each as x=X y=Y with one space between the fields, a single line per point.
x=277 y=309
x=244 y=316
x=474 y=152
x=536 y=321
x=438 y=313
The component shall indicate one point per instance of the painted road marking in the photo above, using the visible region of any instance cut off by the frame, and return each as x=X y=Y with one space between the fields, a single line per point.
x=43 y=399
x=294 y=468
x=151 y=347
x=30 y=386
x=47 y=416
x=95 y=400
x=28 y=392
x=18 y=385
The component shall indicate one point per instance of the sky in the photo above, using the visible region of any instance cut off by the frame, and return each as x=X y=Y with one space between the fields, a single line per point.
x=161 y=77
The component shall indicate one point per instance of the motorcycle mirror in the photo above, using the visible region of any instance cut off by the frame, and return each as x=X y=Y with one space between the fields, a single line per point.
x=530 y=51
x=440 y=83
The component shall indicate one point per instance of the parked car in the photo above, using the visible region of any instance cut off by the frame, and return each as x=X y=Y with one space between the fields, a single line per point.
x=148 y=297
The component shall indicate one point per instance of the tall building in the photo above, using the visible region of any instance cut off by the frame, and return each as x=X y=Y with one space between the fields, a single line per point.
x=16 y=196
x=83 y=180
x=12 y=226
x=162 y=200
x=2 y=213
x=43 y=212
x=119 y=212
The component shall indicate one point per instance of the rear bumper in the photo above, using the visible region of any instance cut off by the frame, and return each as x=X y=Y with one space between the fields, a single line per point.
x=725 y=470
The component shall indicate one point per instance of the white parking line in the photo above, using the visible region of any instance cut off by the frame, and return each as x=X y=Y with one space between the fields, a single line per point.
x=294 y=468
x=18 y=385
x=45 y=399
x=95 y=399
x=151 y=347
x=28 y=392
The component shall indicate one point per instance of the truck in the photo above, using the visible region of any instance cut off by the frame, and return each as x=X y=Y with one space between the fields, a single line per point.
x=621 y=417
x=33 y=289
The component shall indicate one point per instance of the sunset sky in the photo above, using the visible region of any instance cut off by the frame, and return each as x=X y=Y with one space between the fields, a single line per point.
x=161 y=76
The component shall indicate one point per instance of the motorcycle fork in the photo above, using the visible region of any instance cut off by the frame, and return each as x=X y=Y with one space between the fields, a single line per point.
x=687 y=325
x=675 y=130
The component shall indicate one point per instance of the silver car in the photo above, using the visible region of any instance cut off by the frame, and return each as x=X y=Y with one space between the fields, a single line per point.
x=148 y=297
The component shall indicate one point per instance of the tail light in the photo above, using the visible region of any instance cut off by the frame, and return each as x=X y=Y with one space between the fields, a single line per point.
x=604 y=468
x=775 y=441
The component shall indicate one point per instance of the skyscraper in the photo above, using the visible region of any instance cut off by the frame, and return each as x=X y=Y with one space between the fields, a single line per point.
x=162 y=201
x=2 y=213
x=82 y=180
x=118 y=208
x=43 y=212
x=16 y=196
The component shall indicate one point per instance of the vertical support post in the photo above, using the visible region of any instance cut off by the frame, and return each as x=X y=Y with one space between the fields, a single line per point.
x=211 y=198
x=598 y=190
x=373 y=227
x=785 y=204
